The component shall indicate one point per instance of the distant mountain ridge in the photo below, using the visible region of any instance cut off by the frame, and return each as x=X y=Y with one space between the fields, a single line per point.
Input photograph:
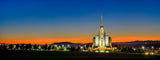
x=139 y=42
x=132 y=42
x=120 y=44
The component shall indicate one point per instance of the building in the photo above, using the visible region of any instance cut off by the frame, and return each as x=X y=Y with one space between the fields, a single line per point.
x=101 y=41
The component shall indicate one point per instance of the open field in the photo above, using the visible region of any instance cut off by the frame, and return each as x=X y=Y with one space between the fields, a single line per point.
x=54 y=55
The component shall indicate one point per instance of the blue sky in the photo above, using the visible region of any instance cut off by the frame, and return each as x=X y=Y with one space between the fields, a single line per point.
x=49 y=17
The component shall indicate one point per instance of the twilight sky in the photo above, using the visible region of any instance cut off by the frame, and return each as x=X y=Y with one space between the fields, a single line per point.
x=77 y=21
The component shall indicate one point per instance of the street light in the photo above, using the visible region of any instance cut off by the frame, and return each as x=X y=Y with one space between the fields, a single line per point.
x=152 y=47
x=143 y=47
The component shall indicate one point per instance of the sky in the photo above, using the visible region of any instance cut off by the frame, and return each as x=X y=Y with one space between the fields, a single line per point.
x=78 y=21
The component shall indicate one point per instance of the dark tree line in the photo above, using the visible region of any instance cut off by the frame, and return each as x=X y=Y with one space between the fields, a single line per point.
x=3 y=47
x=18 y=46
x=28 y=47
x=39 y=47
x=130 y=50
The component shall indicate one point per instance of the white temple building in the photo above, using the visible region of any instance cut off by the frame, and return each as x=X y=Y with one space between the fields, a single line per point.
x=101 y=41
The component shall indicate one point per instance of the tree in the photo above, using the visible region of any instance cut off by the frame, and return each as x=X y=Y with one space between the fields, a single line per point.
x=127 y=49
x=49 y=47
x=52 y=47
x=3 y=47
x=39 y=47
x=45 y=46
x=32 y=47
x=64 y=48
x=78 y=49
x=28 y=46
x=10 y=46
x=35 y=46
x=131 y=50
x=88 y=46
x=14 y=46
x=17 y=46
x=73 y=48
x=140 y=51
x=60 y=48
x=22 y=46
x=0 y=47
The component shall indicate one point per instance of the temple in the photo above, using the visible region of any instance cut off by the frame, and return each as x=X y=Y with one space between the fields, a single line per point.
x=101 y=42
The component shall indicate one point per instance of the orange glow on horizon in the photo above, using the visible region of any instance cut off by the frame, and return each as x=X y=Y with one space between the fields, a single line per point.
x=43 y=41
x=77 y=40
x=128 y=39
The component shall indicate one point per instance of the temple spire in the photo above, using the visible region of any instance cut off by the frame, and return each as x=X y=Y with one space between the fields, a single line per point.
x=101 y=19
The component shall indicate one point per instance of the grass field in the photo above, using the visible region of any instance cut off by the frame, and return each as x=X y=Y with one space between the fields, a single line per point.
x=54 y=55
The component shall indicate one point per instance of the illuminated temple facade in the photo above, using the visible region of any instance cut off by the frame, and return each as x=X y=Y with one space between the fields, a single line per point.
x=101 y=41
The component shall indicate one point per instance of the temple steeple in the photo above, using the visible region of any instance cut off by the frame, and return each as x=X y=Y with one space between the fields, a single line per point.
x=101 y=20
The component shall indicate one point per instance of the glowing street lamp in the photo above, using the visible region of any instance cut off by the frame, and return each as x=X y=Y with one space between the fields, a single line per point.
x=146 y=53
x=151 y=53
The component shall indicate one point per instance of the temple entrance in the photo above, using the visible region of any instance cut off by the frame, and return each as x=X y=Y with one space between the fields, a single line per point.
x=102 y=48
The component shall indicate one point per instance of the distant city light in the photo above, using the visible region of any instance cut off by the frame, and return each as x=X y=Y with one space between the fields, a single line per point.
x=81 y=47
x=68 y=45
x=145 y=42
x=134 y=48
x=146 y=53
x=143 y=47
x=152 y=47
x=62 y=45
x=151 y=53
x=55 y=45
